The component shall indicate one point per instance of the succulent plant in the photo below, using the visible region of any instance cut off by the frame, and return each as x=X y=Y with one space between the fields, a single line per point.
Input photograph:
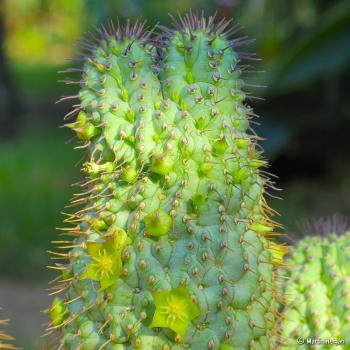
x=318 y=288
x=172 y=247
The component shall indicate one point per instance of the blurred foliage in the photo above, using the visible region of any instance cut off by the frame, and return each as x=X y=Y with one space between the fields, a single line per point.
x=320 y=52
x=42 y=31
x=305 y=201
x=36 y=176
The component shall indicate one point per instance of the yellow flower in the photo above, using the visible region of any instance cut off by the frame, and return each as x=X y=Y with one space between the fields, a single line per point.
x=106 y=263
x=174 y=310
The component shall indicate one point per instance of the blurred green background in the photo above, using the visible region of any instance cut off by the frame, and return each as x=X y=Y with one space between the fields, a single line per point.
x=305 y=118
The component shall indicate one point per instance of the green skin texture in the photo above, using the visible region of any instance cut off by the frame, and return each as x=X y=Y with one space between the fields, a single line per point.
x=318 y=293
x=171 y=164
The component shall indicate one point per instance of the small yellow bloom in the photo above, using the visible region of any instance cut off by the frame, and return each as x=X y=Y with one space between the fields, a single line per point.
x=174 y=310
x=106 y=263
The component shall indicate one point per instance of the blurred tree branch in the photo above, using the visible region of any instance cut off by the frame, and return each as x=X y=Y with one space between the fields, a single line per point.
x=9 y=102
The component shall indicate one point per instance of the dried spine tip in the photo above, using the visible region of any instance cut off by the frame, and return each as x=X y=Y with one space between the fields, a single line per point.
x=5 y=339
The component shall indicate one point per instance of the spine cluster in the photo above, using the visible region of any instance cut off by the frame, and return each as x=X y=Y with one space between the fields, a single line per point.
x=5 y=339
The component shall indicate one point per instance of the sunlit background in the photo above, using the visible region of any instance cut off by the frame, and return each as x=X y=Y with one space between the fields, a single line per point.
x=305 y=117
